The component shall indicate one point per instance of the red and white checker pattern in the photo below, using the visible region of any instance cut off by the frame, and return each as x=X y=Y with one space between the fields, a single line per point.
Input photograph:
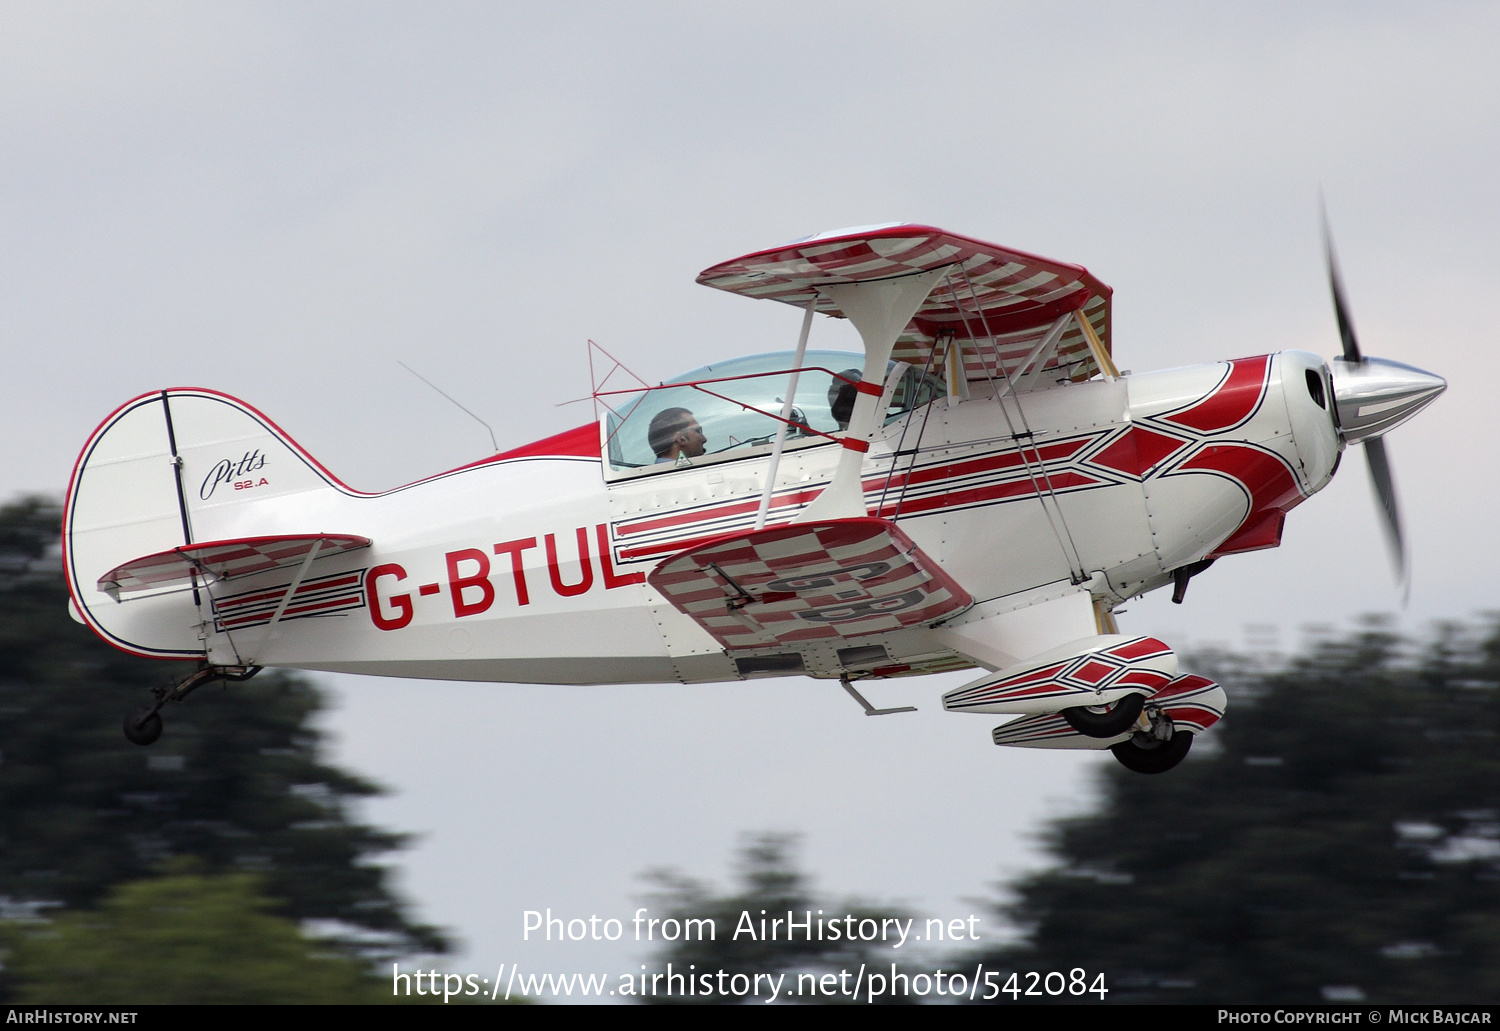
x=1193 y=703
x=999 y=293
x=1070 y=359
x=1136 y=664
x=222 y=560
x=819 y=581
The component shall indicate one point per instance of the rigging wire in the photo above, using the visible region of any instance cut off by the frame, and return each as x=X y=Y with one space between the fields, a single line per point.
x=1074 y=561
x=1021 y=411
x=900 y=446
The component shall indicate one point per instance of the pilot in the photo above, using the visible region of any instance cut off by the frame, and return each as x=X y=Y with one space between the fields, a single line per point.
x=675 y=436
x=841 y=395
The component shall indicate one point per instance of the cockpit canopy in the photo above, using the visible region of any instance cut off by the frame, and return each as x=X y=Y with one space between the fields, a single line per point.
x=737 y=405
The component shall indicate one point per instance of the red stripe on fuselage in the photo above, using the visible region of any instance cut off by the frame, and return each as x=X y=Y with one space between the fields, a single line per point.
x=1232 y=401
x=1265 y=476
x=989 y=463
x=998 y=492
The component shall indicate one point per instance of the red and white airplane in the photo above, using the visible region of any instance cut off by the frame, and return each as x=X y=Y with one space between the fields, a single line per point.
x=980 y=488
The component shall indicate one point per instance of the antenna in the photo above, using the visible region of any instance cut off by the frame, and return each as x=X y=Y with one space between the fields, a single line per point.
x=440 y=390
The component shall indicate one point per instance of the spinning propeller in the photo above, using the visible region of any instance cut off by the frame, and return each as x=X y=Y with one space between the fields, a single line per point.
x=1371 y=397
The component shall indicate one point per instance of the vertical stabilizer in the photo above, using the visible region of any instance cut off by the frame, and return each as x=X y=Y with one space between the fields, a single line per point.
x=173 y=468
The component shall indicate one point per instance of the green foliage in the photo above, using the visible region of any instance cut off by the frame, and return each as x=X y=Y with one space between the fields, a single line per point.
x=1341 y=829
x=769 y=883
x=236 y=781
x=183 y=938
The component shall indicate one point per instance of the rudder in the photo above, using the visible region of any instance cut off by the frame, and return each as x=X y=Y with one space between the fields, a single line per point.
x=170 y=468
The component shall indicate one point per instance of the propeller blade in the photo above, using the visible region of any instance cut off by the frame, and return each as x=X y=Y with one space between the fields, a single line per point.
x=1385 y=493
x=1340 y=305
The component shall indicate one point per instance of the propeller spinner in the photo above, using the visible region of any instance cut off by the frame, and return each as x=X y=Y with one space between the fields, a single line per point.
x=1373 y=396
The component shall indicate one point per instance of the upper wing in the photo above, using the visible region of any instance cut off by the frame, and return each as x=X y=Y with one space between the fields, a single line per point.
x=810 y=581
x=997 y=304
x=222 y=560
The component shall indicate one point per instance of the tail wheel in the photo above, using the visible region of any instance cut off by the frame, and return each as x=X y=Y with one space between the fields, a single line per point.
x=1156 y=756
x=143 y=726
x=1105 y=720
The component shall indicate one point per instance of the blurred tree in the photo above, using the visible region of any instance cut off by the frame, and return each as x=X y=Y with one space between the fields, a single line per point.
x=182 y=938
x=1339 y=838
x=769 y=886
x=236 y=782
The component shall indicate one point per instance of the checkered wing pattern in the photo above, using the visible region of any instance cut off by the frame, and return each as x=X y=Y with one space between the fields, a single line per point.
x=996 y=304
x=818 y=581
x=222 y=560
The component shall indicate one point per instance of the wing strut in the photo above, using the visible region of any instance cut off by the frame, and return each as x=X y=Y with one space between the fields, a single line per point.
x=1026 y=373
x=786 y=416
x=1106 y=363
x=880 y=310
x=287 y=597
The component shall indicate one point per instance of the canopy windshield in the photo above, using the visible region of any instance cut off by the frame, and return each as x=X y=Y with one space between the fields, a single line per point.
x=731 y=408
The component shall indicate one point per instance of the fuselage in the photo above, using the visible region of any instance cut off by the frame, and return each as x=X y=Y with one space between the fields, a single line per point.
x=531 y=567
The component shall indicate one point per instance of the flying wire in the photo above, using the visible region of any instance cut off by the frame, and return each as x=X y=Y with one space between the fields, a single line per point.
x=1026 y=426
x=1015 y=438
x=901 y=446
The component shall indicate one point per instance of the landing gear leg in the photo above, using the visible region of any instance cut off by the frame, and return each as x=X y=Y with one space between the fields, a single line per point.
x=144 y=725
x=1156 y=750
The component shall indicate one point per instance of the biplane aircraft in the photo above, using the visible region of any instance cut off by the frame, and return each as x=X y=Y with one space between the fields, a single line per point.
x=980 y=488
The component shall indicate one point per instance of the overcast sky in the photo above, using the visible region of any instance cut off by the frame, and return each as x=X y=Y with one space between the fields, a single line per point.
x=283 y=200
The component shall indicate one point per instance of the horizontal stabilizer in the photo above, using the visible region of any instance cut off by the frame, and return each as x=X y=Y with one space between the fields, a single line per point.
x=840 y=578
x=222 y=560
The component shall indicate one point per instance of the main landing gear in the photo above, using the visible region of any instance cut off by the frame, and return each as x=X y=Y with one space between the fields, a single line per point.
x=1155 y=747
x=1155 y=750
x=144 y=725
x=1105 y=720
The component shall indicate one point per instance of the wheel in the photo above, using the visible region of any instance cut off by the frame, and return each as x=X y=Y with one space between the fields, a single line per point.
x=1159 y=758
x=143 y=726
x=1105 y=721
